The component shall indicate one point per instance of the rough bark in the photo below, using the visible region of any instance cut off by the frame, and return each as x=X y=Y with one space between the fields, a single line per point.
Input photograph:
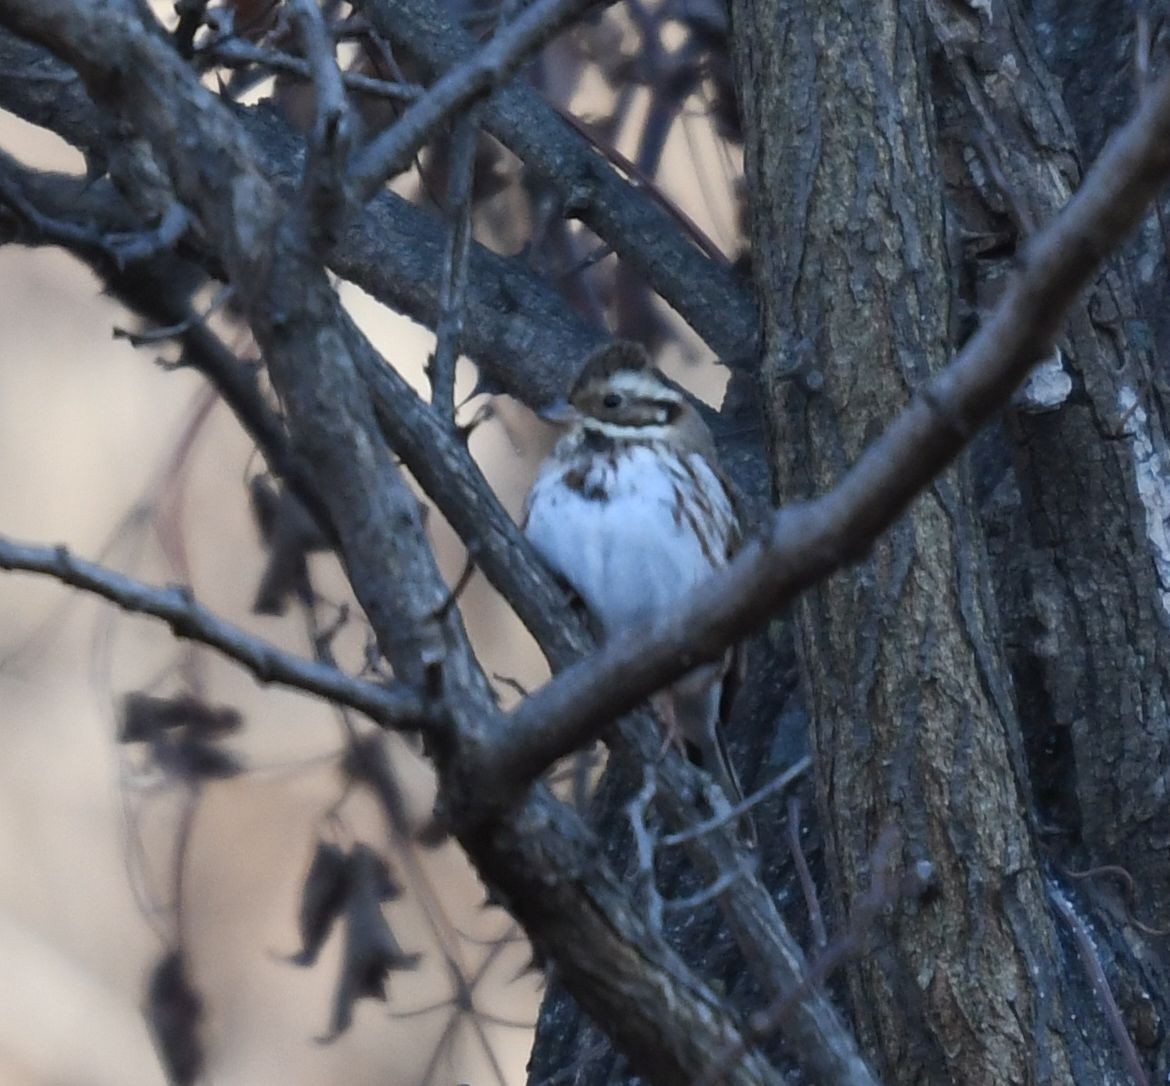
x=913 y=720
x=1092 y=651
x=972 y=985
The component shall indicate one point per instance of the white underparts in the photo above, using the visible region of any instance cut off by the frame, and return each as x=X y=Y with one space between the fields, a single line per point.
x=631 y=530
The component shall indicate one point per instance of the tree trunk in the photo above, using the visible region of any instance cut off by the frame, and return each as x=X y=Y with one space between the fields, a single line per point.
x=913 y=719
x=1093 y=654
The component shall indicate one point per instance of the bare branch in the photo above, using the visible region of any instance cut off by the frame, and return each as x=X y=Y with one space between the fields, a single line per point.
x=123 y=248
x=808 y=887
x=453 y=287
x=235 y=53
x=808 y=541
x=814 y=1031
x=394 y=706
x=518 y=329
x=882 y=892
x=538 y=855
x=325 y=188
x=1091 y=960
x=636 y=809
x=394 y=150
x=710 y=297
x=708 y=894
x=778 y=784
x=176 y=330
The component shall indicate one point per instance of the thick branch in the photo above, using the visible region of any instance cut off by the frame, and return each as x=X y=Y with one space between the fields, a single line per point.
x=395 y=706
x=809 y=541
x=394 y=150
x=159 y=292
x=539 y=857
x=517 y=328
x=708 y=296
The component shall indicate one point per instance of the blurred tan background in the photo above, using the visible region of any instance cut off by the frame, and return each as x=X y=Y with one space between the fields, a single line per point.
x=90 y=433
x=89 y=428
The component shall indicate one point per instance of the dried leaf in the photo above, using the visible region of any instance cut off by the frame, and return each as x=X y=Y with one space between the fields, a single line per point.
x=191 y=757
x=146 y=717
x=322 y=899
x=371 y=950
x=173 y=1012
x=290 y=534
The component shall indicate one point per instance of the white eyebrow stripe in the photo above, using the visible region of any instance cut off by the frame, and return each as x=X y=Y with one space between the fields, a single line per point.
x=617 y=430
x=643 y=386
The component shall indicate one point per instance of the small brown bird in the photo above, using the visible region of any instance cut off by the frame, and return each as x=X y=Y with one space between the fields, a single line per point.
x=632 y=510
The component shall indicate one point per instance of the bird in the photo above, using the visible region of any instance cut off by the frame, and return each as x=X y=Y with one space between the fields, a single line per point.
x=631 y=509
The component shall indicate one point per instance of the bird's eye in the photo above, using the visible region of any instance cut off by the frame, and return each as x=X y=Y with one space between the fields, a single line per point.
x=612 y=400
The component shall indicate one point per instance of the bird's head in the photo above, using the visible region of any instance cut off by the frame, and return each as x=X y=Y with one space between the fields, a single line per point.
x=620 y=396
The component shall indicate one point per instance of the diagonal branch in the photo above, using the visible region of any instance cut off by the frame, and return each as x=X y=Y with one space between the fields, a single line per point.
x=395 y=706
x=236 y=53
x=538 y=856
x=325 y=188
x=394 y=150
x=517 y=328
x=807 y=542
x=711 y=298
x=453 y=284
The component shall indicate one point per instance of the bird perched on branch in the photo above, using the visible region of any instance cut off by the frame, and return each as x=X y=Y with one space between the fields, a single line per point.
x=632 y=510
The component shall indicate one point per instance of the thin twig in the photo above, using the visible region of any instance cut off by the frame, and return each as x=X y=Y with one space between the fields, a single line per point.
x=647 y=184
x=1091 y=960
x=453 y=287
x=121 y=248
x=883 y=891
x=1131 y=893
x=815 y=919
x=777 y=784
x=636 y=810
x=234 y=53
x=395 y=706
x=326 y=191
x=393 y=151
x=458 y=588
x=177 y=330
x=707 y=894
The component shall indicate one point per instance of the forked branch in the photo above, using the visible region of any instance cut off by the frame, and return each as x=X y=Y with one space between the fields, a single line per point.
x=809 y=541
x=395 y=706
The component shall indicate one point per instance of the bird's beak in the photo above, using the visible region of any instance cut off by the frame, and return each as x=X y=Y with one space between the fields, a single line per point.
x=561 y=412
